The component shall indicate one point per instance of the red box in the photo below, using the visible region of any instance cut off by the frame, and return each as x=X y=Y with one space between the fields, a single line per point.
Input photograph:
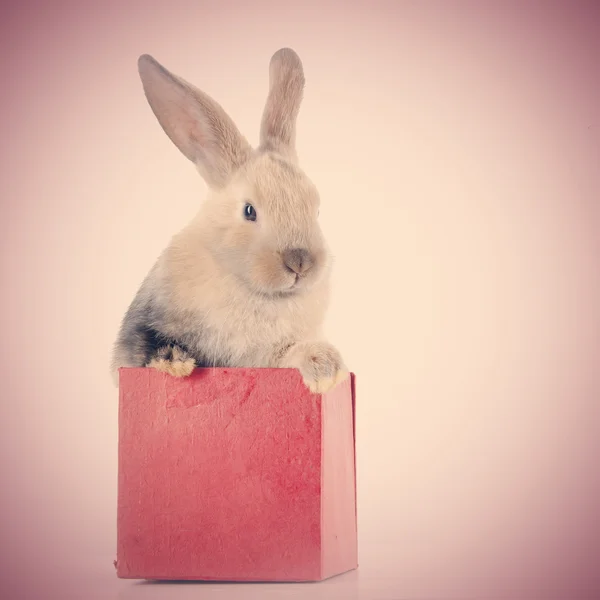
x=235 y=475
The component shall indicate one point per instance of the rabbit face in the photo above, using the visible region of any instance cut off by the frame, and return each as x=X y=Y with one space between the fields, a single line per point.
x=263 y=227
x=260 y=218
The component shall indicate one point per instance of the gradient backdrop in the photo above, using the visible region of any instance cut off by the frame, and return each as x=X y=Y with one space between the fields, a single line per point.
x=456 y=146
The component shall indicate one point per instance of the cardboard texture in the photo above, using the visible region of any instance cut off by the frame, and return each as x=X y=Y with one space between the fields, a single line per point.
x=235 y=475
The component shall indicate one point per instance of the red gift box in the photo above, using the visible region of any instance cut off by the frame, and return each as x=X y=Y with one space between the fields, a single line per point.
x=235 y=475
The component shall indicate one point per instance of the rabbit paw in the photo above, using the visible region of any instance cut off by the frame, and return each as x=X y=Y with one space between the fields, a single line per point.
x=320 y=365
x=173 y=360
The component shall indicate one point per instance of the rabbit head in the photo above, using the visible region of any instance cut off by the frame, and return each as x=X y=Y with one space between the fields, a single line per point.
x=259 y=219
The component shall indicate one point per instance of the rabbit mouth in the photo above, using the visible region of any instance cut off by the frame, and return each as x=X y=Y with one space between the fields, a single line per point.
x=298 y=282
x=294 y=287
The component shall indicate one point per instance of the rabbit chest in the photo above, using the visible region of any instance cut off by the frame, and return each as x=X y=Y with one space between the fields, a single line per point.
x=227 y=327
x=247 y=333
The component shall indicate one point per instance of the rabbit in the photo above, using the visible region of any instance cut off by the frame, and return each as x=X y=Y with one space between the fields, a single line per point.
x=246 y=282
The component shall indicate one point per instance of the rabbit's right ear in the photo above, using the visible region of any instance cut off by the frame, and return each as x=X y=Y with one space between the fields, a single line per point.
x=194 y=122
x=286 y=86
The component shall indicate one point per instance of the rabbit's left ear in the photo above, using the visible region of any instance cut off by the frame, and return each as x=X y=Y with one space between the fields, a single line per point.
x=286 y=86
x=194 y=122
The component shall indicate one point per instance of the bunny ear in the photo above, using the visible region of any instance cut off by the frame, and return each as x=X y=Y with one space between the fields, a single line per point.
x=286 y=86
x=194 y=122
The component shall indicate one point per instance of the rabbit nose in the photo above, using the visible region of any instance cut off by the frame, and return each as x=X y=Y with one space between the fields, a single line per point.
x=297 y=260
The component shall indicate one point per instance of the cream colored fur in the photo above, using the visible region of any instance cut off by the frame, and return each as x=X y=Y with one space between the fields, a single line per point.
x=221 y=288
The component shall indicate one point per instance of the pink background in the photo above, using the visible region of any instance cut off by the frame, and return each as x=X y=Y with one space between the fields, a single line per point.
x=456 y=146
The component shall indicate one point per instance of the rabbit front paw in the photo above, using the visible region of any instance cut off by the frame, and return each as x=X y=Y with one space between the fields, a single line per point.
x=320 y=365
x=172 y=360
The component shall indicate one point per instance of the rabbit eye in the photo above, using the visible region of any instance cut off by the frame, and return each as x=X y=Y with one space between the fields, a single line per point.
x=249 y=212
